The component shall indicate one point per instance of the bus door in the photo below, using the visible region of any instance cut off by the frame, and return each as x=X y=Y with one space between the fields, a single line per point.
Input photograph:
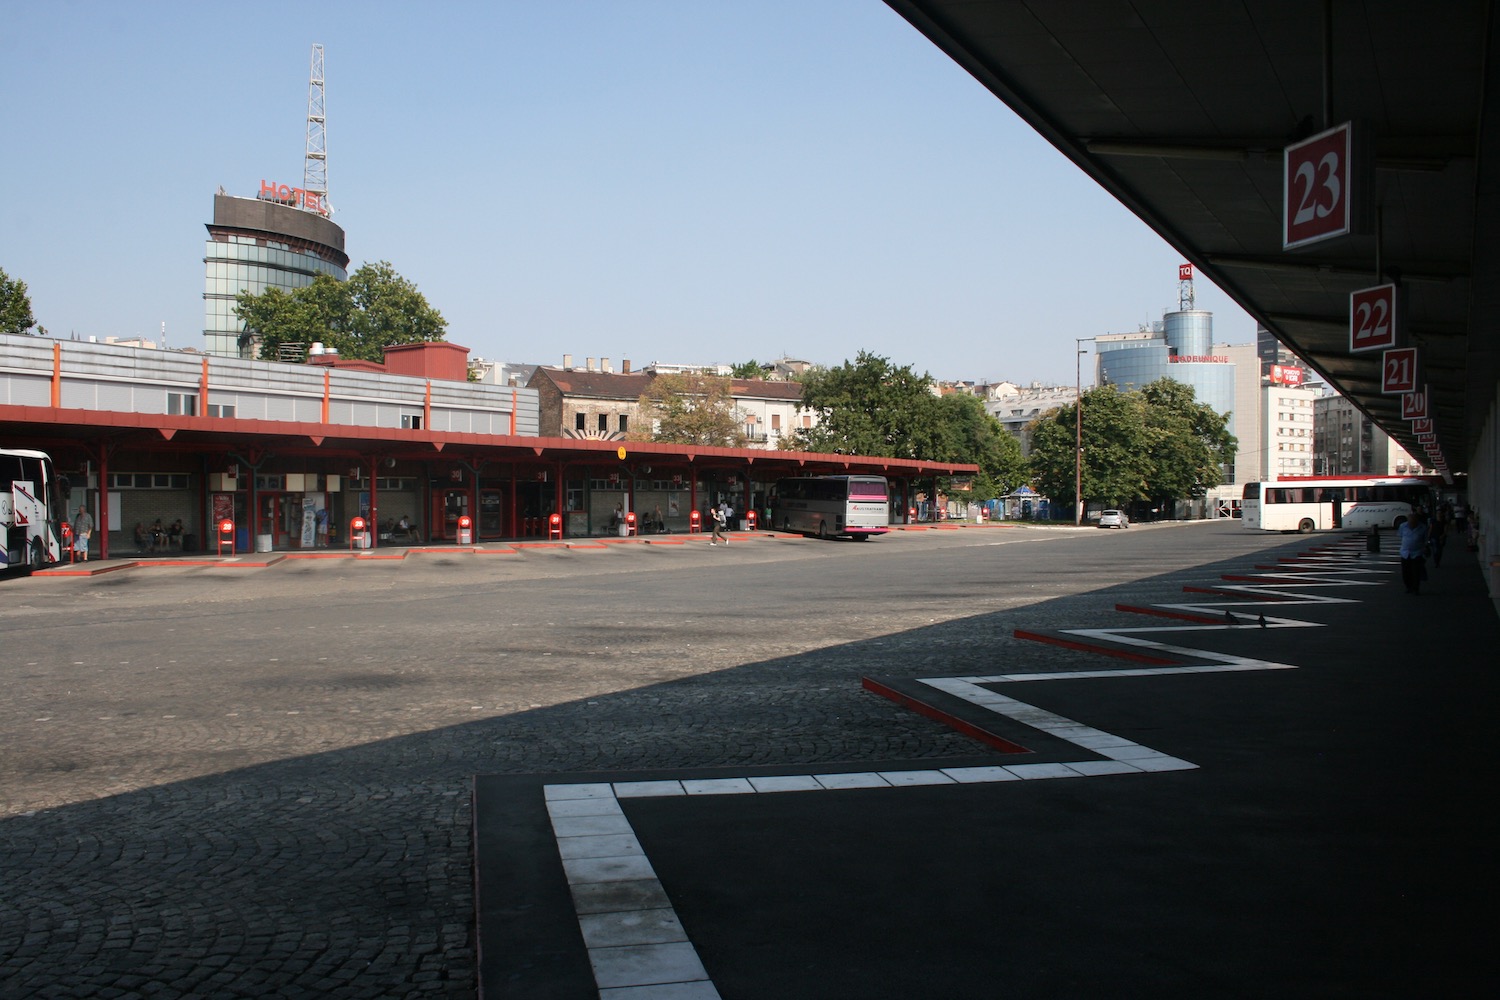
x=448 y=505
x=1335 y=499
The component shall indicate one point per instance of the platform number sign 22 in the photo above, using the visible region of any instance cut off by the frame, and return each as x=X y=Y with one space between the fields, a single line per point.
x=1372 y=319
x=1316 y=195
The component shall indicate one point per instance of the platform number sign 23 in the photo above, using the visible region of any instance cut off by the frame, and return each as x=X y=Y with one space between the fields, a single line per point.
x=1316 y=191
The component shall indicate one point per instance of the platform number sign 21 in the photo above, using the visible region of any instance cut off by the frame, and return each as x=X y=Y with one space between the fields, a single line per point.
x=1398 y=370
x=1316 y=190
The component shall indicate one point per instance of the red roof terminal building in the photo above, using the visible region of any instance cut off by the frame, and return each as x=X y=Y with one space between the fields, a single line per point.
x=148 y=435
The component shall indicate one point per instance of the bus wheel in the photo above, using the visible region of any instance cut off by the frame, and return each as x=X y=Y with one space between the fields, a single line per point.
x=823 y=530
x=1306 y=526
x=38 y=560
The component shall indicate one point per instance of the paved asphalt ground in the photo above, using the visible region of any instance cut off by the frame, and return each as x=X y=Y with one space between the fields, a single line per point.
x=288 y=781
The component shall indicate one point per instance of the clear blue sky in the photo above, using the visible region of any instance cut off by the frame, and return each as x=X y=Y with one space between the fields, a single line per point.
x=685 y=181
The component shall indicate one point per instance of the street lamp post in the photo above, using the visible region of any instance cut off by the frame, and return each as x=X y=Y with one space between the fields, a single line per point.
x=1078 y=432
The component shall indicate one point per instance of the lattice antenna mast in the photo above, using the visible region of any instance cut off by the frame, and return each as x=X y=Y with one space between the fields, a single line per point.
x=315 y=173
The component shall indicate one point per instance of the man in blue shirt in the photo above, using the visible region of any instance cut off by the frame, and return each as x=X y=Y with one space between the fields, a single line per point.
x=1414 y=534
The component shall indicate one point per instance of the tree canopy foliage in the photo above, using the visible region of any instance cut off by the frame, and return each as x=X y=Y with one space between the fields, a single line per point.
x=359 y=318
x=690 y=408
x=872 y=407
x=969 y=433
x=15 y=305
x=1158 y=444
x=868 y=407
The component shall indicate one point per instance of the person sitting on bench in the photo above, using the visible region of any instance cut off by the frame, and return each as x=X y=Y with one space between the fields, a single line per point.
x=406 y=528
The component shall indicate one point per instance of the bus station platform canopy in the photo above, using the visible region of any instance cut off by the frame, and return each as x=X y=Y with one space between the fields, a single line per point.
x=84 y=433
x=1183 y=113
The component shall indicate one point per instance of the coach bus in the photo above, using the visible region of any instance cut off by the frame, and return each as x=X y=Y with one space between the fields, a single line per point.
x=1318 y=503
x=33 y=507
x=855 y=506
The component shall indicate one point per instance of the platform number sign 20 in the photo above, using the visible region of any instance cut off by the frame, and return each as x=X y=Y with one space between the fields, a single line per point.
x=1372 y=319
x=1414 y=404
x=1316 y=191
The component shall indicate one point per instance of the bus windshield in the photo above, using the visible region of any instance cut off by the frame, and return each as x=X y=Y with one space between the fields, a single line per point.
x=33 y=505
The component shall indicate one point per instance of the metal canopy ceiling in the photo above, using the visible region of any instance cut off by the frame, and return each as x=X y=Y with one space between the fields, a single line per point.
x=1182 y=110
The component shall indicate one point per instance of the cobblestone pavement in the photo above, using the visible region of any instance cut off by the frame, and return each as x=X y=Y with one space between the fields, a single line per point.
x=255 y=783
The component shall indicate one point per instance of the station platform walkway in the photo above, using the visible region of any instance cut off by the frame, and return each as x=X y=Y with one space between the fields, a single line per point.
x=1274 y=784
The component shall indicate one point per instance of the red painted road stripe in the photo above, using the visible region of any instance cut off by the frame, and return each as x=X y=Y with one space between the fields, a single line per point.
x=1087 y=647
x=928 y=711
x=1186 y=616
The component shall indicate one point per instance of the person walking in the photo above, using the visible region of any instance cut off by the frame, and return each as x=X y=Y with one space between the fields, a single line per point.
x=1414 y=535
x=83 y=529
x=720 y=519
x=1437 y=536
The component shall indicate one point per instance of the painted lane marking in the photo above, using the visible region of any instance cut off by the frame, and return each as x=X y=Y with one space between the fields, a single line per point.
x=637 y=946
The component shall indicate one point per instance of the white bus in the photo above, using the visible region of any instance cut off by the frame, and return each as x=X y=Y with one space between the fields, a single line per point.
x=1319 y=503
x=33 y=507
x=856 y=506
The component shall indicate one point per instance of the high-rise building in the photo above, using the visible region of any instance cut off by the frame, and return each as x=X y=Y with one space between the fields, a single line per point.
x=1180 y=348
x=1346 y=442
x=260 y=243
x=282 y=238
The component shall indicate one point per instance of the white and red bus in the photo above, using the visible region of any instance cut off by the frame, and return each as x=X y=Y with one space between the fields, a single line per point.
x=33 y=508
x=855 y=506
x=1320 y=503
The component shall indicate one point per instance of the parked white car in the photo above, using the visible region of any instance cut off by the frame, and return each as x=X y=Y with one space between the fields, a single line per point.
x=1114 y=519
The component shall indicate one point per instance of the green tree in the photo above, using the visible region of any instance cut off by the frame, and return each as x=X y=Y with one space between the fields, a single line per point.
x=359 y=318
x=869 y=407
x=968 y=433
x=1158 y=444
x=1187 y=441
x=690 y=408
x=748 y=369
x=15 y=306
x=1115 y=460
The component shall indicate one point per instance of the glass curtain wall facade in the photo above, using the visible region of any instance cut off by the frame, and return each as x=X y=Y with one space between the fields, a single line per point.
x=1180 y=350
x=254 y=245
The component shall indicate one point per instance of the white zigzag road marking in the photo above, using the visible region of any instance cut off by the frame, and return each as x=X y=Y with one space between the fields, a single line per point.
x=646 y=947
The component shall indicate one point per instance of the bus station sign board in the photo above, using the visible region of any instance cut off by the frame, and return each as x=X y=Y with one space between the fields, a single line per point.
x=1398 y=370
x=1422 y=425
x=1316 y=188
x=1414 y=404
x=1372 y=319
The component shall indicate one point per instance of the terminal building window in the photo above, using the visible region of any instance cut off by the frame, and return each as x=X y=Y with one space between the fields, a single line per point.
x=148 y=481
